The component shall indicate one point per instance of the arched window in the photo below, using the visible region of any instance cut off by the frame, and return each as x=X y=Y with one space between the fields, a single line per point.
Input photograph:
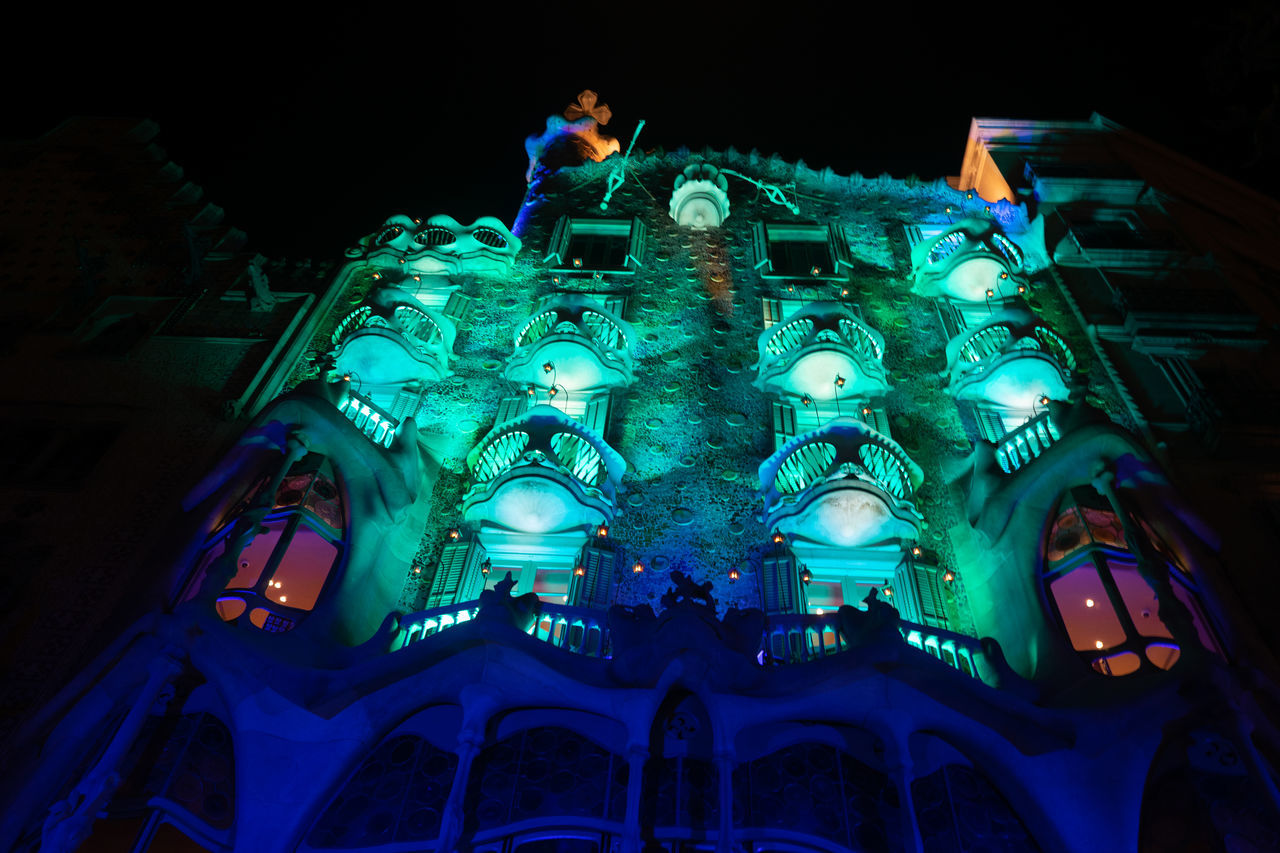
x=1109 y=611
x=282 y=570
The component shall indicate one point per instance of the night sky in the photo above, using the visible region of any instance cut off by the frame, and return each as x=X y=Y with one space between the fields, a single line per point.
x=310 y=141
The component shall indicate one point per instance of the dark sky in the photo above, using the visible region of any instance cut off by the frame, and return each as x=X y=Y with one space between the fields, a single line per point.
x=309 y=141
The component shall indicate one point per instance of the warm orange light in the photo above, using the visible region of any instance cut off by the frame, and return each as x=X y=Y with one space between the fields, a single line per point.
x=602 y=531
x=637 y=567
x=733 y=575
x=779 y=538
x=839 y=381
x=580 y=571
x=990 y=293
x=888 y=592
x=547 y=367
x=1088 y=602
x=916 y=551
x=454 y=533
x=1022 y=288
x=577 y=263
x=948 y=576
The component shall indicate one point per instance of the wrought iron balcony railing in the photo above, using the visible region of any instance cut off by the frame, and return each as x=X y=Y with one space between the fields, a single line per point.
x=573 y=342
x=377 y=426
x=1025 y=444
x=1014 y=362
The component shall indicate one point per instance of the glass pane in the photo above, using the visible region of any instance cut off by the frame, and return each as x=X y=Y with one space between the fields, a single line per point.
x=1139 y=599
x=230 y=607
x=325 y=501
x=1189 y=598
x=1163 y=655
x=302 y=571
x=1067 y=535
x=1104 y=526
x=1086 y=611
x=1121 y=664
x=214 y=551
x=253 y=559
x=293 y=488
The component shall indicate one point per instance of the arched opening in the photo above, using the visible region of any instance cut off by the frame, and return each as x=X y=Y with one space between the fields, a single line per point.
x=956 y=805
x=681 y=784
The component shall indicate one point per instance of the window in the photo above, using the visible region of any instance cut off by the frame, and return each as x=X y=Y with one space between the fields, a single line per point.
x=801 y=251
x=1109 y=611
x=596 y=245
x=282 y=570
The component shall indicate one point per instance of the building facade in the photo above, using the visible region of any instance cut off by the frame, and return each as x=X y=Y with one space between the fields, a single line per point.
x=722 y=503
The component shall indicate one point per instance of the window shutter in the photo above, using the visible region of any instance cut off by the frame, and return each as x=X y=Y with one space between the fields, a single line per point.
x=458 y=577
x=405 y=403
x=511 y=408
x=929 y=590
x=760 y=247
x=772 y=311
x=458 y=307
x=597 y=414
x=559 y=245
x=594 y=587
x=778 y=580
x=635 y=248
x=784 y=424
x=839 y=247
x=616 y=305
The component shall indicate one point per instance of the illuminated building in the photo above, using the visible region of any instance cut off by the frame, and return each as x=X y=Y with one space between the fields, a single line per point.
x=559 y=540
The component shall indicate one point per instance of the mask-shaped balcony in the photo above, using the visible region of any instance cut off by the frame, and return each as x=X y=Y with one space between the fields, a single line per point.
x=821 y=352
x=542 y=473
x=973 y=262
x=841 y=485
x=1013 y=363
x=573 y=343
x=441 y=245
x=393 y=342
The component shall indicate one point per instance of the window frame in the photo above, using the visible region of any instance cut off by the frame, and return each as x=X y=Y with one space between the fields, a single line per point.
x=560 y=258
x=766 y=234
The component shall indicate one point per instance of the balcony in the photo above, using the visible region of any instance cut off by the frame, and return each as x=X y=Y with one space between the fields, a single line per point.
x=1025 y=444
x=973 y=262
x=1013 y=363
x=573 y=343
x=842 y=485
x=393 y=343
x=441 y=246
x=374 y=423
x=542 y=473
x=823 y=351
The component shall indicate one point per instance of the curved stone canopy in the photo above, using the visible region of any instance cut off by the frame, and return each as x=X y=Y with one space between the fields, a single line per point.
x=846 y=514
x=533 y=500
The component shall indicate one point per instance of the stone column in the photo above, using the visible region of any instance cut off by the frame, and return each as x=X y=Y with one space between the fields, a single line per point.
x=70 y=820
x=724 y=762
x=637 y=755
x=451 y=820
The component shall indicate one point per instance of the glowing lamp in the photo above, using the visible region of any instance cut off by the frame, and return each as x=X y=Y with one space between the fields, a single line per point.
x=969 y=195
x=779 y=538
x=888 y=592
x=454 y=534
x=531 y=391
x=990 y=293
x=417 y=570
x=815 y=270
x=486 y=567
x=806 y=401
x=1097 y=644
x=602 y=531
x=552 y=392
x=400 y=261
x=839 y=381
x=916 y=551
x=580 y=571
x=284 y=599
x=637 y=567
x=1022 y=288
x=417 y=277
x=948 y=576
x=577 y=263
x=547 y=367
x=1088 y=602
x=346 y=378
x=733 y=575
x=948 y=209
x=377 y=276
x=844 y=292
x=417 y=221
x=555 y=279
x=1003 y=276
x=806 y=576
x=866 y=410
